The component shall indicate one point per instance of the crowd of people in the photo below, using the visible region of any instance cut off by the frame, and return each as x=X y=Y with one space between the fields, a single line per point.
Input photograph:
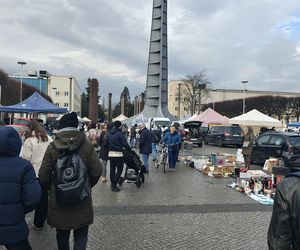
x=36 y=170
x=54 y=176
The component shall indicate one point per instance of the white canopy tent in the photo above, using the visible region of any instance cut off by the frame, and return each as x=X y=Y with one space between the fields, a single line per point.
x=86 y=119
x=256 y=119
x=120 y=118
x=78 y=117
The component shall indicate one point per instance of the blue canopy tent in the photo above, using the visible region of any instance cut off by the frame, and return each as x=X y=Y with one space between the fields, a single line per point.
x=294 y=124
x=34 y=104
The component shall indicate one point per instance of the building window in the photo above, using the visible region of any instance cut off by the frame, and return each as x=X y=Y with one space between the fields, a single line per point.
x=66 y=104
x=176 y=108
x=66 y=93
x=57 y=104
x=57 y=93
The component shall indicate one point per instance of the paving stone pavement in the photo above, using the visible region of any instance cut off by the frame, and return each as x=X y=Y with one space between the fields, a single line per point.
x=178 y=210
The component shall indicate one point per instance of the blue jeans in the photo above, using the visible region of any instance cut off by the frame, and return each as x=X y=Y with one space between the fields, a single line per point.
x=145 y=158
x=154 y=151
x=172 y=158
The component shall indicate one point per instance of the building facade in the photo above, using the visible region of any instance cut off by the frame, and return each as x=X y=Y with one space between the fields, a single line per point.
x=180 y=110
x=36 y=79
x=65 y=92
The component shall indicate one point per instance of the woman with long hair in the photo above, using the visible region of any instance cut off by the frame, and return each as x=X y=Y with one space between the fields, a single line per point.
x=34 y=149
x=104 y=149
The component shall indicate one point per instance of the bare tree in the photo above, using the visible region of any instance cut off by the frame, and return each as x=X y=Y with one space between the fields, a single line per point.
x=295 y=106
x=194 y=90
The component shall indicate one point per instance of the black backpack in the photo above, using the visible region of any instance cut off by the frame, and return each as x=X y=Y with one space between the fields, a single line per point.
x=71 y=179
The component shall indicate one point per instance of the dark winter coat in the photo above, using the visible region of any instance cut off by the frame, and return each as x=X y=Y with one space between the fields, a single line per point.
x=19 y=189
x=133 y=132
x=145 y=141
x=155 y=136
x=117 y=140
x=284 y=227
x=104 y=148
x=81 y=214
x=172 y=140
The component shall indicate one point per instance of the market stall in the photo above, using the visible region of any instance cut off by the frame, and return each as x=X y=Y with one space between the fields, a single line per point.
x=120 y=118
x=259 y=185
x=34 y=104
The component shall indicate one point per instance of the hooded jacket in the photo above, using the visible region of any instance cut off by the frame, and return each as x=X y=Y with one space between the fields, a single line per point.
x=284 y=229
x=117 y=140
x=19 y=189
x=81 y=214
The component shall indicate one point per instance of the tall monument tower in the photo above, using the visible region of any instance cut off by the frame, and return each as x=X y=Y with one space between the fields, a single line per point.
x=156 y=100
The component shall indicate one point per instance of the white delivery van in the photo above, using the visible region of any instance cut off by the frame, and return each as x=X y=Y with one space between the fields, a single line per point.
x=155 y=122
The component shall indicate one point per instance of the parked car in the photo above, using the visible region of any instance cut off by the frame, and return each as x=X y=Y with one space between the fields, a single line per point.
x=21 y=121
x=21 y=129
x=192 y=132
x=282 y=145
x=224 y=135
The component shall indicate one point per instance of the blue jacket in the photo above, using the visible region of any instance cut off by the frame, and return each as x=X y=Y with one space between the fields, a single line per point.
x=172 y=139
x=19 y=189
x=145 y=141
x=117 y=140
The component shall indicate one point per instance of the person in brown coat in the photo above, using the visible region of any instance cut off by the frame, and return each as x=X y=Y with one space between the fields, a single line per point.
x=77 y=217
x=247 y=146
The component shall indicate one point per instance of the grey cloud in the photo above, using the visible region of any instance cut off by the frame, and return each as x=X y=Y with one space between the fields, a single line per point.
x=232 y=40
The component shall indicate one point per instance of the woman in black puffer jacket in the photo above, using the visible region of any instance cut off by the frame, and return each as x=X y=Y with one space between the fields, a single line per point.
x=19 y=191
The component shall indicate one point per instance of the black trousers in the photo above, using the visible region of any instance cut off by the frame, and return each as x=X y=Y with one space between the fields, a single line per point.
x=40 y=213
x=21 y=245
x=116 y=169
x=80 y=238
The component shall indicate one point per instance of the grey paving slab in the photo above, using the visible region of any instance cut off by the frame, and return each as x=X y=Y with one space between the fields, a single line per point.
x=179 y=210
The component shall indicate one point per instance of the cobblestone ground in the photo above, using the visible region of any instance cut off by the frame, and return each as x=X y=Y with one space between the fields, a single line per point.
x=178 y=210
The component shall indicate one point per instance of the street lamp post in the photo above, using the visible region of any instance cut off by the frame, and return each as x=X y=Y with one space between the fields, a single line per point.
x=70 y=108
x=41 y=78
x=179 y=97
x=21 y=80
x=244 y=99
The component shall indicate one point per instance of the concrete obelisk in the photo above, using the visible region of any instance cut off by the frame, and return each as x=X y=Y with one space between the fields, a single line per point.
x=156 y=101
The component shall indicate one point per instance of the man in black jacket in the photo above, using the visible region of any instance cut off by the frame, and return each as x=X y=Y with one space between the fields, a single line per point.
x=145 y=145
x=284 y=229
x=116 y=142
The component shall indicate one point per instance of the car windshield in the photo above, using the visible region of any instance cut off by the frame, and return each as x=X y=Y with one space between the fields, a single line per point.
x=295 y=141
x=235 y=130
x=21 y=121
x=162 y=123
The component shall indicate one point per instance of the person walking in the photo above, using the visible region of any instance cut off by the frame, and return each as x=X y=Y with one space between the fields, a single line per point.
x=247 y=146
x=172 y=140
x=19 y=191
x=33 y=150
x=79 y=216
x=117 y=141
x=145 y=145
x=93 y=135
x=104 y=150
x=155 y=138
x=133 y=136
x=284 y=228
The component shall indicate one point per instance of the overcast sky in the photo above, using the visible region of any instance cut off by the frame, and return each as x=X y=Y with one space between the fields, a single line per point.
x=254 y=40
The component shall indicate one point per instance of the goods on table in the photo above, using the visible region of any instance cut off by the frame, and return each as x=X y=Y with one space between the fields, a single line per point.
x=269 y=164
x=259 y=186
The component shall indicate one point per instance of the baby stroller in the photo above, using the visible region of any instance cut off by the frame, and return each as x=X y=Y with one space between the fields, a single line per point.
x=134 y=172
